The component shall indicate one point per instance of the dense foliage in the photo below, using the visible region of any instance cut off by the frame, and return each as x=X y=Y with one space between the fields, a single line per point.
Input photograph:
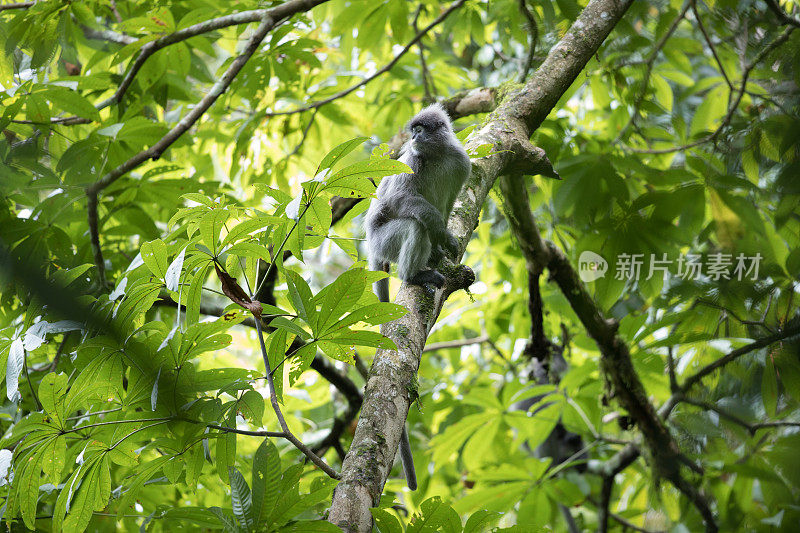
x=146 y=225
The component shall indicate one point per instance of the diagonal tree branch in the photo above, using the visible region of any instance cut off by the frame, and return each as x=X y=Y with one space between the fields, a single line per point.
x=277 y=14
x=18 y=5
x=615 y=362
x=390 y=387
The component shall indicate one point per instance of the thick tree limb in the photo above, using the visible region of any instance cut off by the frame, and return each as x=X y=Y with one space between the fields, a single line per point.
x=390 y=387
x=615 y=362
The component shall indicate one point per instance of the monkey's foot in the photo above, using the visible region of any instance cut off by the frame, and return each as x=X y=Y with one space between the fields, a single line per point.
x=428 y=277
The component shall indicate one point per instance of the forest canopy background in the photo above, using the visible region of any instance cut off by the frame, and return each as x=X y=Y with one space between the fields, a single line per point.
x=186 y=319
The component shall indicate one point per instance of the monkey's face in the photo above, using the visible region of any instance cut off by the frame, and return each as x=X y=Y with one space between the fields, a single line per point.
x=429 y=134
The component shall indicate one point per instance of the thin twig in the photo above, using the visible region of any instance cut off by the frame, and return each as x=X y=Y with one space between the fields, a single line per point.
x=434 y=346
x=28 y=377
x=377 y=73
x=155 y=151
x=736 y=317
x=533 y=30
x=427 y=82
x=649 y=68
x=782 y=38
x=711 y=46
x=276 y=15
x=751 y=427
x=281 y=420
x=735 y=354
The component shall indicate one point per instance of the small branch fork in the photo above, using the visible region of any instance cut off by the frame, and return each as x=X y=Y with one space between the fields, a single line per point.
x=287 y=434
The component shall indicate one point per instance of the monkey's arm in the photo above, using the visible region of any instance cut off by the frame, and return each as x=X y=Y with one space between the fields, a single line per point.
x=417 y=207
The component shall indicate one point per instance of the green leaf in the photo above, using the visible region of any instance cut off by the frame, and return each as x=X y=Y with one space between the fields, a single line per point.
x=52 y=391
x=436 y=516
x=241 y=498
x=251 y=405
x=663 y=92
x=266 y=481
x=339 y=297
x=276 y=351
x=476 y=452
x=54 y=459
x=28 y=485
x=301 y=298
x=482 y=520
x=362 y=338
x=332 y=157
x=72 y=102
x=154 y=255
x=226 y=449
x=448 y=443
x=385 y=521
x=210 y=226
x=709 y=112
x=371 y=168
x=37 y=109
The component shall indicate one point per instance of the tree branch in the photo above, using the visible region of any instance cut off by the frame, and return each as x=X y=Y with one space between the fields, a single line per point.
x=781 y=14
x=732 y=108
x=386 y=68
x=616 y=362
x=288 y=435
x=735 y=354
x=18 y=5
x=94 y=233
x=277 y=14
x=269 y=20
x=649 y=68
x=391 y=386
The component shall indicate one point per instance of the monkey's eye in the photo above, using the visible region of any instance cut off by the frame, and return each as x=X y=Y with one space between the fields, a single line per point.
x=416 y=130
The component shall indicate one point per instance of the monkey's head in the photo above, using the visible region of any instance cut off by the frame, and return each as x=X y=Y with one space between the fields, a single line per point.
x=430 y=128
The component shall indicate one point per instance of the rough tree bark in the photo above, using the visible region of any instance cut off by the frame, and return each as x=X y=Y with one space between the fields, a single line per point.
x=392 y=381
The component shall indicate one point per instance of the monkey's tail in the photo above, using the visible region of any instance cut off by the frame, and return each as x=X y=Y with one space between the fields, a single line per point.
x=408 y=460
x=382 y=285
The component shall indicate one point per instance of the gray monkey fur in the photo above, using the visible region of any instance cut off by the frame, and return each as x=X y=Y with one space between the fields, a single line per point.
x=407 y=222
